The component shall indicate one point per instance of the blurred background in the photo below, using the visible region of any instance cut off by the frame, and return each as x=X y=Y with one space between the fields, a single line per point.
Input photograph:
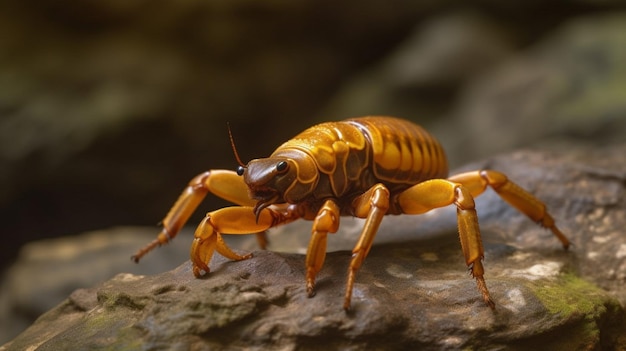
x=108 y=108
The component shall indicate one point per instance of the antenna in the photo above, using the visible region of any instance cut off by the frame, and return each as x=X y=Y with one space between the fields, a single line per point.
x=232 y=143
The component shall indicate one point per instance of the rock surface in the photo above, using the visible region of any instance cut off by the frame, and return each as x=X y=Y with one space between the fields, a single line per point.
x=412 y=292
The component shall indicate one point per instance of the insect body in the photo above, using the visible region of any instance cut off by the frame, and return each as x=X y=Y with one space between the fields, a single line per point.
x=365 y=167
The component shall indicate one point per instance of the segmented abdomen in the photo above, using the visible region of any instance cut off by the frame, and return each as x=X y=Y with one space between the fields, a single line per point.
x=402 y=152
x=354 y=154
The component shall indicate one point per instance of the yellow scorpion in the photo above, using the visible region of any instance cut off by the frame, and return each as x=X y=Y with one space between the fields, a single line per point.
x=366 y=167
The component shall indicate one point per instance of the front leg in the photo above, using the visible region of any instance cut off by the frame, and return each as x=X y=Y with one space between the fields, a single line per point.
x=232 y=220
x=372 y=205
x=326 y=221
x=513 y=194
x=225 y=184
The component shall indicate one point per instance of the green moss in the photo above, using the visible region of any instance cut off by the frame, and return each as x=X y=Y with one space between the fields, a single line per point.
x=570 y=295
x=580 y=305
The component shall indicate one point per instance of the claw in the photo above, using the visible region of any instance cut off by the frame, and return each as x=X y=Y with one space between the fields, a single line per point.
x=162 y=239
x=207 y=240
x=482 y=287
x=201 y=253
x=197 y=272
x=310 y=287
x=262 y=204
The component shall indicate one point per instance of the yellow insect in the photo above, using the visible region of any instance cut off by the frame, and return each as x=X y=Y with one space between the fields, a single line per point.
x=366 y=167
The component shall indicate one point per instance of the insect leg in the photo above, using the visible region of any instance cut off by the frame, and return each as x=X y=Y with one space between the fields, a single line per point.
x=326 y=221
x=372 y=205
x=225 y=184
x=513 y=194
x=231 y=220
x=436 y=193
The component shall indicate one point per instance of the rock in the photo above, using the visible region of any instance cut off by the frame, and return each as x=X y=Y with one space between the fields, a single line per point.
x=401 y=301
x=569 y=85
x=418 y=79
x=412 y=292
x=46 y=270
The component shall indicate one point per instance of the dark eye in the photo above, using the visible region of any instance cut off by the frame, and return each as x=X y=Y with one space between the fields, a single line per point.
x=240 y=170
x=281 y=166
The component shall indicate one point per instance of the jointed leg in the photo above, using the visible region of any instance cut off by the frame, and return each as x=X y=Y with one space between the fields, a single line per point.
x=436 y=193
x=373 y=206
x=230 y=220
x=326 y=221
x=512 y=193
x=225 y=184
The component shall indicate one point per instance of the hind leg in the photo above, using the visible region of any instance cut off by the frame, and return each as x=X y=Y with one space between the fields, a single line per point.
x=436 y=193
x=516 y=196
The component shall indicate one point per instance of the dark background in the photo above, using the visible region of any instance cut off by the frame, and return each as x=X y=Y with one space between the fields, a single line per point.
x=108 y=108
